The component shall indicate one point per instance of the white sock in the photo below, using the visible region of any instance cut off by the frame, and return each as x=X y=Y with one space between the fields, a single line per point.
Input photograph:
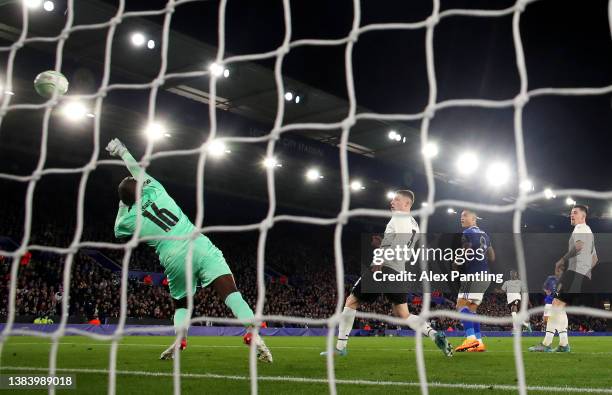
x=553 y=324
x=347 y=318
x=426 y=329
x=563 y=329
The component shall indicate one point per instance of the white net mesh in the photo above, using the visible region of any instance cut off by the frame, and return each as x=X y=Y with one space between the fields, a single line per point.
x=429 y=24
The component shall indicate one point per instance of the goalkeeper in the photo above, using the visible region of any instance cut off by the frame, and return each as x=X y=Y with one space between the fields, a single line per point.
x=161 y=216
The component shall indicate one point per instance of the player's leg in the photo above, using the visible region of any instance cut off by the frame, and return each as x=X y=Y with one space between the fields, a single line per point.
x=464 y=307
x=475 y=300
x=514 y=308
x=557 y=320
x=526 y=323
x=401 y=310
x=213 y=270
x=347 y=317
x=175 y=272
x=559 y=317
x=547 y=306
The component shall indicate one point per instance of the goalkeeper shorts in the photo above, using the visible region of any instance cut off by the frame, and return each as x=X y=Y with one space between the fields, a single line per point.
x=208 y=264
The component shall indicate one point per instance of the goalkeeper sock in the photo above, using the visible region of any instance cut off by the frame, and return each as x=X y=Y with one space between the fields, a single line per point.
x=468 y=326
x=180 y=318
x=347 y=318
x=563 y=329
x=239 y=307
x=426 y=329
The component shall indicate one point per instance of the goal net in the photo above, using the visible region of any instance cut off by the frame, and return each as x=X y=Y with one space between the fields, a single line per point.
x=518 y=103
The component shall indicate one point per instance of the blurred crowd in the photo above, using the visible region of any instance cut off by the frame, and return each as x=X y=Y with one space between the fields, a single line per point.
x=300 y=281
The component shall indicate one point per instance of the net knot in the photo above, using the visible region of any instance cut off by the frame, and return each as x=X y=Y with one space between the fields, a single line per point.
x=343 y=218
x=159 y=81
x=116 y=20
x=348 y=123
x=521 y=99
x=353 y=36
x=36 y=175
x=520 y=5
x=429 y=112
x=89 y=167
x=170 y=7
x=266 y=224
x=432 y=20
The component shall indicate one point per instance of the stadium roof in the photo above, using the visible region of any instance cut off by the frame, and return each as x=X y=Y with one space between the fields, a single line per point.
x=251 y=91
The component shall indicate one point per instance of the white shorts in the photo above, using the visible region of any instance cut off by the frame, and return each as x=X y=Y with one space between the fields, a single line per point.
x=547 y=308
x=473 y=297
x=513 y=296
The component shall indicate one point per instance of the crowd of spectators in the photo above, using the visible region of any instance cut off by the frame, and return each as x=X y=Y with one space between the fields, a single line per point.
x=300 y=280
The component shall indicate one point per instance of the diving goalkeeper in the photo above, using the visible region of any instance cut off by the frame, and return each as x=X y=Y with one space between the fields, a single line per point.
x=161 y=216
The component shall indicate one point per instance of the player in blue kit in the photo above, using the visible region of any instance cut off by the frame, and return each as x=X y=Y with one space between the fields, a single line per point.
x=550 y=287
x=471 y=293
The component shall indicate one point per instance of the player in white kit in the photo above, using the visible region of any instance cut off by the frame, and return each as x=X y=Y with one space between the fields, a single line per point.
x=513 y=289
x=578 y=263
x=402 y=230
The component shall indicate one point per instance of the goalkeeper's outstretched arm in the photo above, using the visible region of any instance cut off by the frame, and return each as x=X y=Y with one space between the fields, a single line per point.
x=116 y=148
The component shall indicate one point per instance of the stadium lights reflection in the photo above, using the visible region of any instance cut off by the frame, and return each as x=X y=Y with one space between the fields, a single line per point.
x=137 y=39
x=569 y=201
x=75 y=111
x=155 y=131
x=390 y=195
x=151 y=44
x=424 y=204
x=451 y=210
x=527 y=186
x=48 y=6
x=217 y=70
x=271 y=163
x=498 y=174
x=431 y=150
x=217 y=148
x=393 y=135
x=548 y=194
x=467 y=163
x=313 y=175
x=294 y=97
x=356 y=186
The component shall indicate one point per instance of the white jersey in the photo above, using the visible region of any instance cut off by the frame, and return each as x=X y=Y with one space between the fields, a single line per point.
x=583 y=261
x=402 y=230
x=513 y=289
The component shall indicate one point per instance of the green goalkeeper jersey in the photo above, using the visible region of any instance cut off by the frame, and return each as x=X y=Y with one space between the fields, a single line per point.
x=161 y=216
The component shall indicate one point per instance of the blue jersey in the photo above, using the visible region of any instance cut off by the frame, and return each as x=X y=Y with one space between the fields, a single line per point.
x=550 y=285
x=475 y=238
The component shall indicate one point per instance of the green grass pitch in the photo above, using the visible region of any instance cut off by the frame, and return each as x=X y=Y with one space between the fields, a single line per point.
x=219 y=365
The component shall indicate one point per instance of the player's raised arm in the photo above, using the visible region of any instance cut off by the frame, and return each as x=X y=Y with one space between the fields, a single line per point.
x=116 y=148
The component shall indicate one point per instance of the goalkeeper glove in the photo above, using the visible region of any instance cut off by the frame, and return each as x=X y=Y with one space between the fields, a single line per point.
x=116 y=148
